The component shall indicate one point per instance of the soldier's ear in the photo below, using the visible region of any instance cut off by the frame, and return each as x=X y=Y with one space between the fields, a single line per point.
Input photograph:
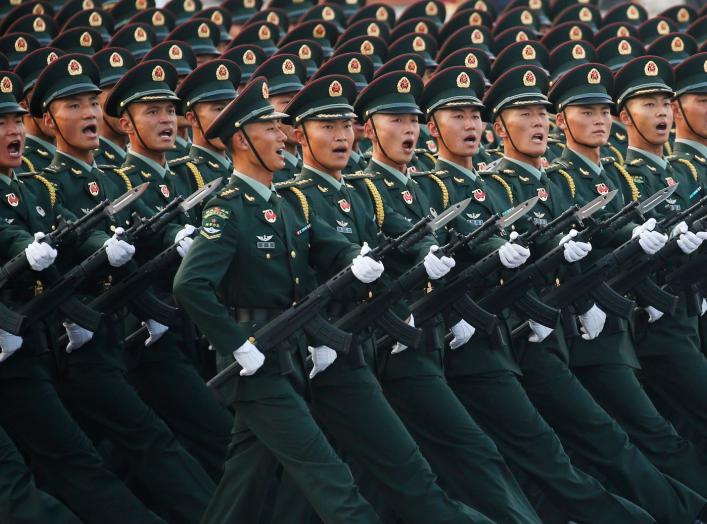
x=560 y=120
x=299 y=136
x=126 y=126
x=432 y=127
x=368 y=130
x=498 y=128
x=239 y=142
x=189 y=115
x=624 y=118
x=48 y=121
x=677 y=110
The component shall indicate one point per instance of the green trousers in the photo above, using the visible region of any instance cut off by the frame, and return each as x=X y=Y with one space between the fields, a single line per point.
x=20 y=500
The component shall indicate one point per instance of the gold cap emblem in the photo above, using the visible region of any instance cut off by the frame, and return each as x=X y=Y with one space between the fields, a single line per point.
x=335 y=89
x=74 y=68
x=625 y=47
x=86 y=40
x=623 y=31
x=382 y=14
x=683 y=15
x=217 y=18
x=475 y=19
x=585 y=14
x=95 y=19
x=222 y=73
x=663 y=28
x=522 y=36
x=705 y=66
x=422 y=27
x=140 y=35
x=288 y=67
x=411 y=66
x=677 y=45
x=140 y=4
x=305 y=52
x=471 y=61
x=38 y=9
x=578 y=52
x=116 y=60
x=175 y=52
x=265 y=91
x=529 y=79
x=403 y=85
x=328 y=14
x=418 y=44
x=249 y=57
x=158 y=74
x=576 y=33
x=373 y=30
x=463 y=80
x=319 y=31
x=6 y=85
x=594 y=76
x=273 y=18
x=264 y=33
x=249 y=4
x=21 y=45
x=354 y=66
x=204 y=31
x=158 y=19
x=477 y=37
x=51 y=57
x=189 y=6
x=367 y=48
x=528 y=52
x=39 y=25
x=651 y=68
x=526 y=18
x=632 y=12
x=535 y=4
x=431 y=9
x=481 y=6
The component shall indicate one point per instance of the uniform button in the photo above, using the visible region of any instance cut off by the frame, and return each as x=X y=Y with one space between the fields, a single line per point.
x=267 y=255
x=296 y=280
x=293 y=254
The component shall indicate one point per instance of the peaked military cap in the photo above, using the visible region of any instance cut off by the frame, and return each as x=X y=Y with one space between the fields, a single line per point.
x=16 y=46
x=617 y=52
x=247 y=56
x=66 y=76
x=539 y=8
x=200 y=33
x=380 y=11
x=467 y=17
x=477 y=37
x=480 y=5
x=275 y=16
x=434 y=10
x=23 y=9
x=558 y=6
x=183 y=10
x=415 y=25
x=138 y=38
x=42 y=27
x=324 y=33
x=124 y=10
x=325 y=98
x=149 y=81
x=470 y=58
x=682 y=14
x=630 y=13
x=698 y=29
x=285 y=74
x=392 y=93
x=418 y=43
x=97 y=19
x=408 y=62
x=348 y=6
x=521 y=53
x=4 y=64
x=79 y=40
x=34 y=63
x=585 y=84
x=370 y=46
x=242 y=10
x=587 y=14
x=251 y=105
x=674 y=47
x=328 y=12
x=452 y=87
x=643 y=76
x=294 y=8
x=113 y=63
x=160 y=20
x=567 y=31
x=177 y=53
x=365 y=27
x=691 y=75
x=219 y=16
x=519 y=16
x=213 y=81
x=355 y=66
x=653 y=28
x=308 y=51
x=570 y=54
x=517 y=87
x=511 y=36
x=262 y=33
x=10 y=93
x=617 y=29
x=72 y=8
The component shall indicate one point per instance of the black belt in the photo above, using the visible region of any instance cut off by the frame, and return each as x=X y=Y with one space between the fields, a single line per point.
x=244 y=314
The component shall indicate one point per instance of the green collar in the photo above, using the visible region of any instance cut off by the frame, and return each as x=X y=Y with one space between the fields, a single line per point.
x=289 y=157
x=463 y=170
x=221 y=159
x=263 y=191
x=112 y=145
x=46 y=145
x=655 y=159
x=355 y=156
x=7 y=179
x=537 y=173
x=159 y=170
x=697 y=146
x=400 y=177
x=83 y=165
x=594 y=168
x=333 y=182
x=182 y=143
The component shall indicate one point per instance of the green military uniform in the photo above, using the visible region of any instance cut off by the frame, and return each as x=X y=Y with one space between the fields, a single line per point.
x=226 y=256
x=60 y=450
x=563 y=401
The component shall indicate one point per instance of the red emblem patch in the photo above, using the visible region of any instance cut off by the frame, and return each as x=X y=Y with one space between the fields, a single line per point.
x=164 y=190
x=270 y=215
x=479 y=195
x=407 y=197
x=344 y=205
x=12 y=199
x=542 y=194
x=602 y=189
x=670 y=181
x=93 y=188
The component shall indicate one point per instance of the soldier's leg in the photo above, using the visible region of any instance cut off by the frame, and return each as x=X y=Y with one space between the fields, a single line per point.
x=36 y=418
x=617 y=389
x=108 y=407
x=587 y=429
x=467 y=461
x=21 y=502
x=502 y=408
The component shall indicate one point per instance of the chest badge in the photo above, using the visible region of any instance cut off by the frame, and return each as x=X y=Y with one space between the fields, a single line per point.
x=164 y=190
x=670 y=181
x=479 y=195
x=12 y=199
x=344 y=205
x=542 y=194
x=270 y=216
x=407 y=197
x=93 y=188
x=40 y=211
x=602 y=188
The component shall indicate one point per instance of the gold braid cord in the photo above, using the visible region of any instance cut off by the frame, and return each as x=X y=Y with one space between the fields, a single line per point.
x=302 y=201
x=443 y=189
x=196 y=174
x=618 y=154
x=50 y=188
x=668 y=149
x=126 y=179
x=377 y=201
x=569 y=180
x=505 y=185
x=29 y=163
x=629 y=180
x=690 y=166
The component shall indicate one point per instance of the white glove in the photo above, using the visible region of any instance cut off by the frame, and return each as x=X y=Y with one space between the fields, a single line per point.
x=650 y=241
x=365 y=268
x=119 y=251
x=437 y=267
x=78 y=336
x=704 y=307
x=513 y=255
x=249 y=358
x=322 y=358
x=688 y=242
x=462 y=331
x=40 y=255
x=398 y=347
x=9 y=343
x=540 y=332
x=653 y=314
x=592 y=322
x=155 y=329
x=184 y=239
x=574 y=251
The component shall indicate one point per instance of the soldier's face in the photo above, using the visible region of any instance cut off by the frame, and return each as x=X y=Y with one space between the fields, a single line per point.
x=652 y=116
x=206 y=113
x=588 y=125
x=525 y=127
x=12 y=141
x=694 y=106
x=328 y=143
x=397 y=136
x=460 y=130
x=279 y=102
x=108 y=120
x=78 y=119
x=268 y=140
x=156 y=123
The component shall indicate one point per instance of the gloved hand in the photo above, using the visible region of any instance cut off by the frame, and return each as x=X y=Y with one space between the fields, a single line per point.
x=574 y=251
x=688 y=242
x=592 y=322
x=78 y=336
x=435 y=266
x=399 y=347
x=462 y=331
x=540 y=332
x=653 y=314
x=704 y=307
x=365 y=268
x=155 y=329
x=322 y=358
x=249 y=358
x=184 y=239
x=119 y=251
x=650 y=241
x=513 y=255
x=40 y=255
x=9 y=343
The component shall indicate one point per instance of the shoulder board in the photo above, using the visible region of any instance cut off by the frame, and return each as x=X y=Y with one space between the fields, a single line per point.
x=495 y=151
x=441 y=173
x=559 y=163
x=179 y=161
x=26 y=174
x=293 y=183
x=358 y=175
x=51 y=169
x=637 y=162
x=230 y=192
x=125 y=170
x=671 y=157
x=700 y=159
x=608 y=160
x=554 y=168
x=554 y=140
